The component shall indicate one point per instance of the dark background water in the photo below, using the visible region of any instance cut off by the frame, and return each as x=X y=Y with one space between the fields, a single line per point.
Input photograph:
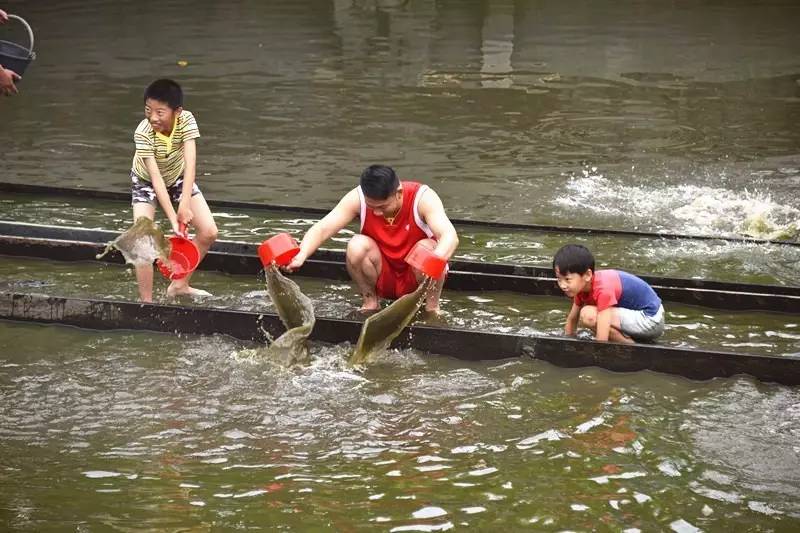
x=688 y=112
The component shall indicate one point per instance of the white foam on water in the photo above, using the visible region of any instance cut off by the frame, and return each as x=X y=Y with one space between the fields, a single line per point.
x=251 y=493
x=429 y=512
x=482 y=471
x=550 y=435
x=682 y=526
x=602 y=480
x=424 y=527
x=683 y=208
x=237 y=434
x=586 y=426
x=98 y=474
x=761 y=507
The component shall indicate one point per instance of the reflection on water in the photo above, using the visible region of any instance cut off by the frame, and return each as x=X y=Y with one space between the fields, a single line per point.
x=148 y=430
x=493 y=102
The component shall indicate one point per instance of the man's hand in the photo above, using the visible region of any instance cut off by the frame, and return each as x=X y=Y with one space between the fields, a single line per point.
x=185 y=214
x=296 y=263
x=3 y=16
x=7 y=79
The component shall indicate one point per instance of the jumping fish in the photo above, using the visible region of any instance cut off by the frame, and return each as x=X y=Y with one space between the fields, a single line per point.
x=380 y=329
x=297 y=314
x=141 y=244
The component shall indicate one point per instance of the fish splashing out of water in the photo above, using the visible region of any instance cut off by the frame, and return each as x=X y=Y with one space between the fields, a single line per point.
x=380 y=329
x=297 y=314
x=141 y=244
x=761 y=227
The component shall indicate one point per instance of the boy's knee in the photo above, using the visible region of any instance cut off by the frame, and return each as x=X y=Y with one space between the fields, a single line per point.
x=588 y=316
x=209 y=234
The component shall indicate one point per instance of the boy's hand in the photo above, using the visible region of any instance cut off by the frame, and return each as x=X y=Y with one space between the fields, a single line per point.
x=3 y=16
x=185 y=214
x=7 y=79
x=176 y=226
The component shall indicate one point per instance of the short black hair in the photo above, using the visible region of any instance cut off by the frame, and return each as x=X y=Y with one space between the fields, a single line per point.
x=166 y=91
x=379 y=182
x=573 y=259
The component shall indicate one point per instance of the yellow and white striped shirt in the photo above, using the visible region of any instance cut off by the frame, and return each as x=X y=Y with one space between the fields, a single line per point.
x=168 y=151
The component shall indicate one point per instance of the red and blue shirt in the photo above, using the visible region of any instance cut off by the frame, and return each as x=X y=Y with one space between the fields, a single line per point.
x=615 y=288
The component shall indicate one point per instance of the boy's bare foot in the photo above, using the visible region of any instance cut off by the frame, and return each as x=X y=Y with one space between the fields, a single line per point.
x=185 y=290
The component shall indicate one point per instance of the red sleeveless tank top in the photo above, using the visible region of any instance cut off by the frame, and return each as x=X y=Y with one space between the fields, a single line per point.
x=396 y=240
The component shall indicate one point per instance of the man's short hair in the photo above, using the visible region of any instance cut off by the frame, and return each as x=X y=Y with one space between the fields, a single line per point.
x=573 y=259
x=379 y=182
x=166 y=91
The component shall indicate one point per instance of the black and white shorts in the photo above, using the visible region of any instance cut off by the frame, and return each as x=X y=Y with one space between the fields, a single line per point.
x=142 y=191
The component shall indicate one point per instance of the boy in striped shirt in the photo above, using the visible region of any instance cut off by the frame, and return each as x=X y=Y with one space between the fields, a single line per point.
x=163 y=170
x=618 y=306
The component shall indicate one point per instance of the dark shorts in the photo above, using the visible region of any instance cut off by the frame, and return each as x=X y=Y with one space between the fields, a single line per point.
x=142 y=191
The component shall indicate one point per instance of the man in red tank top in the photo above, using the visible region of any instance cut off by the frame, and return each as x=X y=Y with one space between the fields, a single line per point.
x=394 y=215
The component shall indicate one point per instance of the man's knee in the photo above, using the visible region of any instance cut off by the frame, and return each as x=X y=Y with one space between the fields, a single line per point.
x=359 y=247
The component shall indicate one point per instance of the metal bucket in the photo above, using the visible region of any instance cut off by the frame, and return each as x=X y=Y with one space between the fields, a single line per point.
x=14 y=56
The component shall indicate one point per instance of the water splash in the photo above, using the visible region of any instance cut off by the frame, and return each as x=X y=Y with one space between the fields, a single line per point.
x=141 y=244
x=296 y=312
x=383 y=327
x=686 y=208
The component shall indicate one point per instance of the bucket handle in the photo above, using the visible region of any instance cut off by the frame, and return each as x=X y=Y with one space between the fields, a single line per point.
x=31 y=53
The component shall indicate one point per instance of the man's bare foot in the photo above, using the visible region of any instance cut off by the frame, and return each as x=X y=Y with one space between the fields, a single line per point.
x=433 y=311
x=185 y=290
x=367 y=312
x=370 y=305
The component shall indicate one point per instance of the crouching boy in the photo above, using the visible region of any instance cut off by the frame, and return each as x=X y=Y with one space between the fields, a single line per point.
x=616 y=305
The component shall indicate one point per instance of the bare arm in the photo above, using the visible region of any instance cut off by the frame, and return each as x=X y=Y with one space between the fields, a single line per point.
x=603 y=324
x=185 y=214
x=339 y=217
x=162 y=195
x=432 y=212
x=571 y=326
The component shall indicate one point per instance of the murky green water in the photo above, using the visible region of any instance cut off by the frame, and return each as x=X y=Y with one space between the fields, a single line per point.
x=630 y=115
x=499 y=311
x=718 y=260
x=145 y=431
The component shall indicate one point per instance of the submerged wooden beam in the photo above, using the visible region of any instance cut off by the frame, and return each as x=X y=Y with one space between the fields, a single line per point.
x=25 y=188
x=457 y=343
x=68 y=244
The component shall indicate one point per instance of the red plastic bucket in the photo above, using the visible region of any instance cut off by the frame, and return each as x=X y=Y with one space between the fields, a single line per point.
x=183 y=258
x=426 y=261
x=280 y=248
